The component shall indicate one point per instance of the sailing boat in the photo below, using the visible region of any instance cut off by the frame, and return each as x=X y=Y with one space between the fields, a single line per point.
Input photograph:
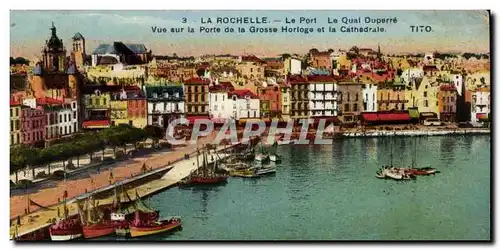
x=390 y=171
x=68 y=227
x=146 y=221
x=262 y=156
x=95 y=223
x=206 y=174
x=414 y=170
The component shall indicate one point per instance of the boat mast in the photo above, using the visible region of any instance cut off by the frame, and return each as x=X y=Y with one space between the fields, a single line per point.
x=414 y=156
x=391 y=153
x=197 y=161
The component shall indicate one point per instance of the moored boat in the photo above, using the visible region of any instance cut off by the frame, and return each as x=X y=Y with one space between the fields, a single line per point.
x=144 y=225
x=274 y=158
x=66 y=229
x=265 y=171
x=261 y=157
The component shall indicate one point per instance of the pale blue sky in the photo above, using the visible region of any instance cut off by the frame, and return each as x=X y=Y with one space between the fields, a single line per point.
x=452 y=31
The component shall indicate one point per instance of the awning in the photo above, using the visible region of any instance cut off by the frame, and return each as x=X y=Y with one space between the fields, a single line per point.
x=414 y=113
x=385 y=117
x=428 y=114
x=95 y=124
x=219 y=120
x=192 y=119
x=482 y=116
x=328 y=119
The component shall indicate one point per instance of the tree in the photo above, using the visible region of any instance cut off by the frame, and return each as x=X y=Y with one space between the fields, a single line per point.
x=354 y=49
x=155 y=133
x=313 y=51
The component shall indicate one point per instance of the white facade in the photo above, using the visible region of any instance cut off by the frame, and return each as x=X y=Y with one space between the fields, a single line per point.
x=293 y=66
x=66 y=123
x=370 y=97
x=480 y=104
x=164 y=107
x=220 y=106
x=322 y=99
x=245 y=107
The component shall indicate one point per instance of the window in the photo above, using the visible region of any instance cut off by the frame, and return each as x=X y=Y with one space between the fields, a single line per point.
x=11 y=113
x=215 y=97
x=425 y=93
x=255 y=113
x=195 y=98
x=60 y=131
x=74 y=105
x=11 y=125
x=65 y=129
x=251 y=70
x=18 y=124
x=97 y=102
x=65 y=118
x=426 y=104
x=104 y=101
x=346 y=107
x=190 y=108
x=348 y=96
x=74 y=114
x=355 y=108
x=248 y=113
x=357 y=96
x=74 y=127
x=203 y=97
x=17 y=137
x=130 y=122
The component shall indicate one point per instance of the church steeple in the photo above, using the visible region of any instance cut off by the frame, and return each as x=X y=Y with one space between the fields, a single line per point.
x=54 y=54
x=379 y=55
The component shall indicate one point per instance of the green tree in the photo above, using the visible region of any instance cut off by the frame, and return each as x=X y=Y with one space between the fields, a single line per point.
x=155 y=133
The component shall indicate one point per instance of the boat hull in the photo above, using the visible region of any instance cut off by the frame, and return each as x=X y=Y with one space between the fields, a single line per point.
x=145 y=231
x=208 y=180
x=95 y=231
x=65 y=237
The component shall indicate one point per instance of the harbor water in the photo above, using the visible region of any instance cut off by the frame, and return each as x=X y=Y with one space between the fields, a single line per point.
x=329 y=192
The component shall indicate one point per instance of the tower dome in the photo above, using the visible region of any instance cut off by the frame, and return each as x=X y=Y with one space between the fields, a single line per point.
x=54 y=43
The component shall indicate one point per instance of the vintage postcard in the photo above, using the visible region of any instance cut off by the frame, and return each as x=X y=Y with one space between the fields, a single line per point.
x=250 y=125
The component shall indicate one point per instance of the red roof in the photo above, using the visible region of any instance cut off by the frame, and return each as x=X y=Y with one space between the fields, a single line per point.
x=48 y=101
x=385 y=117
x=430 y=68
x=447 y=87
x=320 y=78
x=196 y=80
x=296 y=79
x=95 y=123
x=241 y=93
x=14 y=103
x=223 y=86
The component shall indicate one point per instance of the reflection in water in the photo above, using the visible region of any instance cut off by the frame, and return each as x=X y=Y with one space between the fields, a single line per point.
x=329 y=192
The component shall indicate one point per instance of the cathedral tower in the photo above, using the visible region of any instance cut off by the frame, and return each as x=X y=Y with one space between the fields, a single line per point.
x=78 y=52
x=54 y=54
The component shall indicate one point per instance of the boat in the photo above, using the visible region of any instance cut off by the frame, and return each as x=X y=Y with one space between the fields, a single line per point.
x=265 y=171
x=262 y=157
x=123 y=229
x=285 y=142
x=97 y=222
x=141 y=227
x=205 y=174
x=274 y=157
x=68 y=227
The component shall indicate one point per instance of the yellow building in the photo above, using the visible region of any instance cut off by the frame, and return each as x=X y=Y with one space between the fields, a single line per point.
x=15 y=123
x=425 y=95
x=391 y=97
x=118 y=112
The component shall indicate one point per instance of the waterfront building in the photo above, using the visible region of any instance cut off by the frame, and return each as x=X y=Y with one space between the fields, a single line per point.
x=128 y=106
x=270 y=102
x=33 y=122
x=120 y=53
x=299 y=92
x=340 y=61
x=220 y=105
x=447 y=102
x=96 y=106
x=426 y=96
x=292 y=66
x=165 y=103
x=196 y=98
x=391 y=96
x=410 y=73
x=15 y=122
x=481 y=105
x=245 y=105
x=274 y=67
x=285 y=101
x=369 y=91
x=322 y=96
x=351 y=101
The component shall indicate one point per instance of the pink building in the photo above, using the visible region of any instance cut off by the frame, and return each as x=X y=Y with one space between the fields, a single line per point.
x=32 y=125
